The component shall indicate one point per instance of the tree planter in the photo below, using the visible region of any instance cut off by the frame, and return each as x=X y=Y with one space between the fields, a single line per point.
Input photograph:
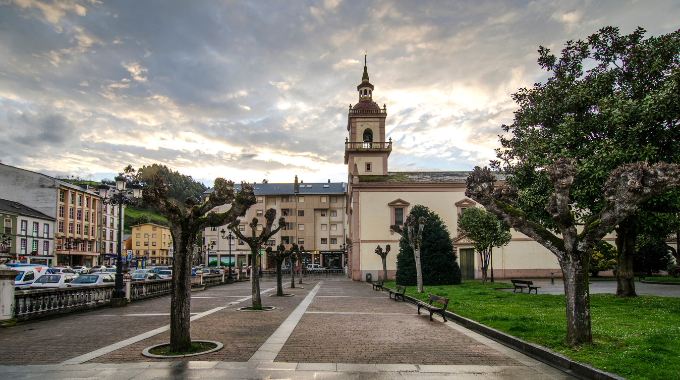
x=249 y=308
x=283 y=295
x=146 y=352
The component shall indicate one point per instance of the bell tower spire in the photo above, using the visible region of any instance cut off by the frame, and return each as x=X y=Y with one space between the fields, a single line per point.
x=366 y=150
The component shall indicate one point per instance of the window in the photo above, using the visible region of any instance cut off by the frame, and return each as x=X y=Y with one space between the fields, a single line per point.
x=301 y=212
x=153 y=228
x=368 y=166
x=260 y=199
x=80 y=200
x=89 y=246
x=61 y=226
x=240 y=242
x=301 y=199
x=153 y=243
x=301 y=227
x=259 y=227
x=324 y=241
x=334 y=213
x=301 y=241
x=87 y=202
x=258 y=213
x=146 y=243
x=23 y=246
x=146 y=235
x=34 y=247
x=139 y=228
x=79 y=215
x=399 y=216
x=138 y=235
x=46 y=248
x=290 y=226
x=78 y=228
x=86 y=229
x=271 y=200
x=324 y=198
x=62 y=193
x=271 y=242
x=104 y=219
x=334 y=227
x=138 y=244
x=285 y=198
x=323 y=213
x=111 y=235
x=334 y=241
x=93 y=219
x=92 y=234
x=285 y=239
x=61 y=211
x=87 y=216
x=213 y=228
x=73 y=198
x=334 y=199
x=24 y=227
x=36 y=227
x=8 y=226
x=324 y=227
x=285 y=212
x=153 y=236
x=46 y=230
x=153 y=252
x=241 y=227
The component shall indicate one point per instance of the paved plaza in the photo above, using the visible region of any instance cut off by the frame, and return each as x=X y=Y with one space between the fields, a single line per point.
x=331 y=328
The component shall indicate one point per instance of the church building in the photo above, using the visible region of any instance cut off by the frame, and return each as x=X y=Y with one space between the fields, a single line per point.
x=379 y=198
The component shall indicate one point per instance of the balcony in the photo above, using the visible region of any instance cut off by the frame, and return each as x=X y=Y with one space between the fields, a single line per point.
x=368 y=146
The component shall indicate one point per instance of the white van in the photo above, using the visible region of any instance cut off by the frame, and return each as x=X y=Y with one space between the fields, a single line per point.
x=27 y=274
x=313 y=267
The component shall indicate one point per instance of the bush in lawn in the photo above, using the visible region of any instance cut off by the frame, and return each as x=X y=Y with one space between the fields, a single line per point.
x=653 y=255
x=602 y=258
x=438 y=259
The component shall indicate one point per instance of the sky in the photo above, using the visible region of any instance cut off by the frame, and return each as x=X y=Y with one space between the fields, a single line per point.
x=254 y=90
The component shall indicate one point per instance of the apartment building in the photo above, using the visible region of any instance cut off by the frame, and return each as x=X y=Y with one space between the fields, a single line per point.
x=314 y=215
x=109 y=232
x=153 y=243
x=76 y=211
x=30 y=231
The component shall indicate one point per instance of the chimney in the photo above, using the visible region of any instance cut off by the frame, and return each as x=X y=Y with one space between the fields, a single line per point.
x=296 y=187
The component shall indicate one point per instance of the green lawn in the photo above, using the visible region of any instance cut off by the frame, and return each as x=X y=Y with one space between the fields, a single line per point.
x=134 y=216
x=634 y=338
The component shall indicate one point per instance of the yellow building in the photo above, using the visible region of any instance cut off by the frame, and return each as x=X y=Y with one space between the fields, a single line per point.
x=153 y=242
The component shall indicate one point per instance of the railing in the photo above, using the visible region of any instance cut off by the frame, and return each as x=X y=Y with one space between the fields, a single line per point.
x=368 y=145
x=360 y=111
x=272 y=272
x=140 y=290
x=31 y=304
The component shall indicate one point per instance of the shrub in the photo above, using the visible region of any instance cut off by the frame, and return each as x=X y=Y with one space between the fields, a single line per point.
x=602 y=258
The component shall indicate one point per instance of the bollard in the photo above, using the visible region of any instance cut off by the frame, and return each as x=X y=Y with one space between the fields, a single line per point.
x=552 y=278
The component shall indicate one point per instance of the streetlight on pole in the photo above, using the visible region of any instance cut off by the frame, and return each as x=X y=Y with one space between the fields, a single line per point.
x=119 y=196
x=230 y=238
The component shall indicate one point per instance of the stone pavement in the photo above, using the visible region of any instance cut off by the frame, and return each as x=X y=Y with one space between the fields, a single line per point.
x=331 y=328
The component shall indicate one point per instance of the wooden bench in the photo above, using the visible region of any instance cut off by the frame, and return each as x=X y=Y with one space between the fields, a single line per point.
x=378 y=285
x=521 y=284
x=640 y=275
x=399 y=293
x=432 y=308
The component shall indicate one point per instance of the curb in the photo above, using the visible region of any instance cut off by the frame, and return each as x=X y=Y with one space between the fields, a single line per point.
x=535 y=351
x=660 y=283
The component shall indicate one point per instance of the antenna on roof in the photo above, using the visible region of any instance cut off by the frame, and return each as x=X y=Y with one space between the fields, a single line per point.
x=365 y=59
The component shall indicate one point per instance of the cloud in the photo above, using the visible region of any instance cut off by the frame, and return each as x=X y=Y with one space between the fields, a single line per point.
x=136 y=70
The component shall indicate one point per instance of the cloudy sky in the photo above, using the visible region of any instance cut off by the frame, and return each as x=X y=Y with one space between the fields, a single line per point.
x=248 y=90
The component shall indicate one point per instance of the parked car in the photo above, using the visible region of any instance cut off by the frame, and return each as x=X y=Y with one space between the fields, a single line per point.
x=158 y=269
x=98 y=268
x=81 y=269
x=145 y=277
x=53 y=280
x=61 y=270
x=313 y=267
x=101 y=278
x=142 y=271
x=28 y=273
x=166 y=273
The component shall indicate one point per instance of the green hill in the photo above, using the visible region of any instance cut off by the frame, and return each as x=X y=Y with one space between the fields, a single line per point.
x=136 y=215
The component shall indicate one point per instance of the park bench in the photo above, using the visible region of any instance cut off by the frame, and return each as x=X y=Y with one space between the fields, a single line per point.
x=521 y=284
x=432 y=308
x=640 y=275
x=399 y=293
x=378 y=285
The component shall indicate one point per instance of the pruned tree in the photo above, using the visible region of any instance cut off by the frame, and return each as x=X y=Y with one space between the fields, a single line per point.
x=295 y=256
x=627 y=188
x=486 y=231
x=383 y=256
x=279 y=256
x=413 y=234
x=301 y=256
x=186 y=219
x=255 y=243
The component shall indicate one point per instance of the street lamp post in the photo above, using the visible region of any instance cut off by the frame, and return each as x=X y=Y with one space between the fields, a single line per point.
x=119 y=196
x=230 y=238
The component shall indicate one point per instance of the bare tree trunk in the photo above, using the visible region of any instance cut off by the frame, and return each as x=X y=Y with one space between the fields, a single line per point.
x=484 y=256
x=577 y=297
x=625 y=251
x=180 y=303
x=384 y=262
x=279 y=282
x=419 y=271
x=292 y=273
x=255 y=282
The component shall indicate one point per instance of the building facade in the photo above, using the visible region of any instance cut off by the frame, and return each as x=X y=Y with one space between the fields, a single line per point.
x=110 y=220
x=379 y=198
x=31 y=233
x=151 y=243
x=76 y=210
x=315 y=218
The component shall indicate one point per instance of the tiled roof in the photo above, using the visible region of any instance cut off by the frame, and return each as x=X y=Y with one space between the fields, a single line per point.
x=370 y=105
x=420 y=177
x=18 y=208
x=287 y=188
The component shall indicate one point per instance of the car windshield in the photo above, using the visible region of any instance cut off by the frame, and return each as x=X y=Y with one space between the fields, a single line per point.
x=48 y=279
x=139 y=275
x=165 y=272
x=85 y=279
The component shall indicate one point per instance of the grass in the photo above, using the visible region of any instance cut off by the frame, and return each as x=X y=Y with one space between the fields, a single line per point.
x=635 y=338
x=134 y=216
x=663 y=279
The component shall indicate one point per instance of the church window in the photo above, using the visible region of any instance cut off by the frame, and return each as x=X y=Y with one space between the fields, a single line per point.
x=368 y=166
x=399 y=216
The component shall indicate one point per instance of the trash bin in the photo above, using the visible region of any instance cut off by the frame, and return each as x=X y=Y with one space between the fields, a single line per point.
x=369 y=277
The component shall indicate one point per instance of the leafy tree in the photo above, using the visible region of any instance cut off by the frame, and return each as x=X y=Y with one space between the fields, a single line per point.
x=383 y=256
x=486 y=231
x=280 y=255
x=180 y=186
x=255 y=242
x=654 y=255
x=439 y=261
x=187 y=218
x=623 y=110
x=602 y=258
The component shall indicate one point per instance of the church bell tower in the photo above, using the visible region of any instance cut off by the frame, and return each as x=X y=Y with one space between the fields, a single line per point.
x=366 y=150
